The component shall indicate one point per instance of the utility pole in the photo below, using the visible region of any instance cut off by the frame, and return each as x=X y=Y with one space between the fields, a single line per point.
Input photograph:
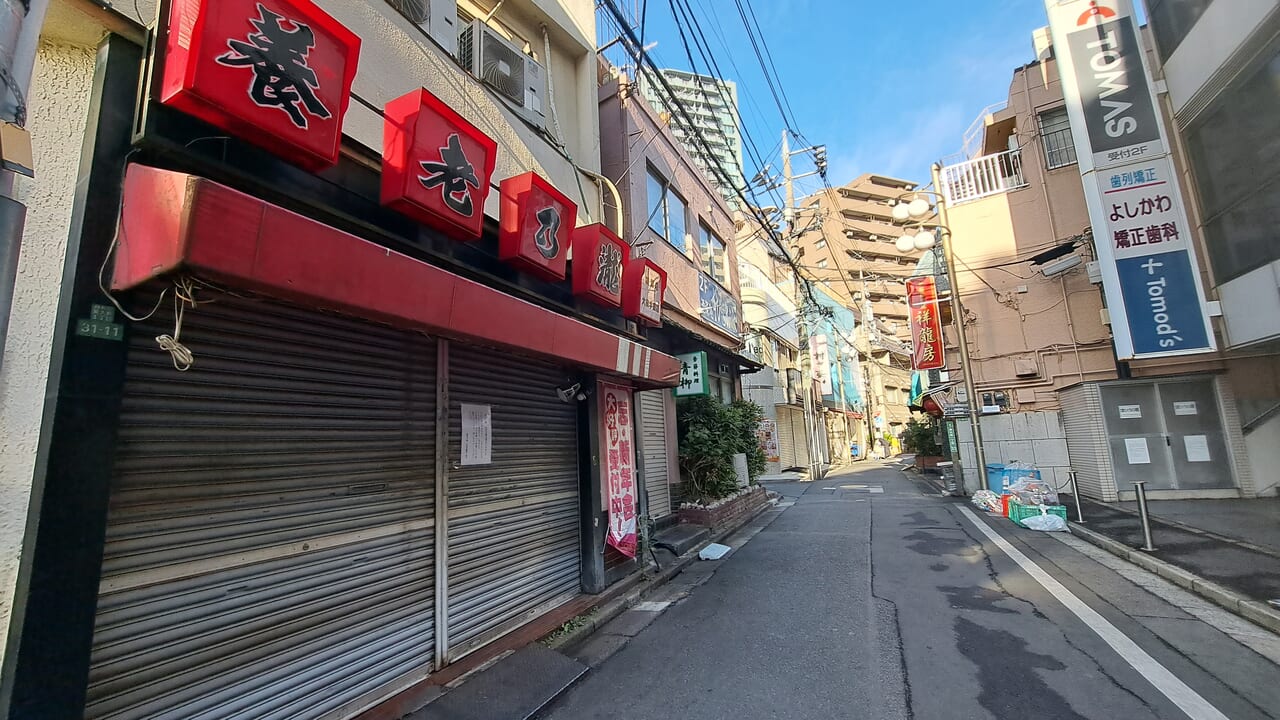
x=802 y=323
x=957 y=312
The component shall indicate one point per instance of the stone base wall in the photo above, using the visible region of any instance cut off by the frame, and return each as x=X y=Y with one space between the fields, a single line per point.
x=726 y=515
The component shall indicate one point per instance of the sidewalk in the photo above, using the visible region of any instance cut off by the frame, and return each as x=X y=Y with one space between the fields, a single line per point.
x=1234 y=543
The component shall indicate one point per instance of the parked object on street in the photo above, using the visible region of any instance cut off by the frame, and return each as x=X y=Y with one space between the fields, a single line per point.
x=1019 y=513
x=714 y=551
x=986 y=500
x=1045 y=523
x=1001 y=475
x=1033 y=491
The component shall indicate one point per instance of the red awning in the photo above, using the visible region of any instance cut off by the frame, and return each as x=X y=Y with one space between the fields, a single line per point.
x=172 y=220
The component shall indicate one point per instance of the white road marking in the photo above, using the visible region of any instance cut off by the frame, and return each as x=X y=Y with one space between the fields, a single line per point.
x=1188 y=700
x=876 y=490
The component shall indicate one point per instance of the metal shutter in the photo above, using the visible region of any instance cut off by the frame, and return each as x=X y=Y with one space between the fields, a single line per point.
x=513 y=524
x=653 y=450
x=1087 y=444
x=786 y=438
x=270 y=531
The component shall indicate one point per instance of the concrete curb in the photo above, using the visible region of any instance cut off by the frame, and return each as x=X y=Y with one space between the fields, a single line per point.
x=613 y=608
x=1258 y=613
x=1191 y=529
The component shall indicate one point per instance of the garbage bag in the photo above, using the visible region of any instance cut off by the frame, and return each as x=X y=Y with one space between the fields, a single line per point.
x=1033 y=491
x=986 y=500
x=1045 y=523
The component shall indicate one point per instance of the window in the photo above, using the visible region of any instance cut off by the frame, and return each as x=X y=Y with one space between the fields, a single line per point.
x=822 y=264
x=1171 y=20
x=666 y=211
x=712 y=250
x=1055 y=133
x=820 y=244
x=1235 y=152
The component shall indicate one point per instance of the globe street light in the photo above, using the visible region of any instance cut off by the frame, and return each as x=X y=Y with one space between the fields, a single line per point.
x=913 y=213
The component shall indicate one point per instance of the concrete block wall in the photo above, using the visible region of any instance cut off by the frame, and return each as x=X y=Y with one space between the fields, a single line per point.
x=1032 y=438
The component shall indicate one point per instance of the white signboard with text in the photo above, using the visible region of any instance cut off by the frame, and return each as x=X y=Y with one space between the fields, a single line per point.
x=1140 y=228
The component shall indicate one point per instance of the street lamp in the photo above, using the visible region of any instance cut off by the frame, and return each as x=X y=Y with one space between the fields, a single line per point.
x=912 y=214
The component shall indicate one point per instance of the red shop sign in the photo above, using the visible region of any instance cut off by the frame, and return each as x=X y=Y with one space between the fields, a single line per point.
x=598 y=257
x=617 y=467
x=926 y=327
x=643 y=285
x=436 y=166
x=536 y=223
x=275 y=72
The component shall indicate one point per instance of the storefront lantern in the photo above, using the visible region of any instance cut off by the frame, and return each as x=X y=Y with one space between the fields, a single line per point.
x=598 y=257
x=643 y=286
x=536 y=225
x=436 y=166
x=276 y=73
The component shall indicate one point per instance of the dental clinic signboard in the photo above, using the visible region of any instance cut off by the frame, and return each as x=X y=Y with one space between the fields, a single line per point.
x=1140 y=228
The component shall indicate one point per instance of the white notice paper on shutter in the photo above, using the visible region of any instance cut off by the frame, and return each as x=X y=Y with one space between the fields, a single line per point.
x=477 y=435
x=1136 y=449
x=1197 y=448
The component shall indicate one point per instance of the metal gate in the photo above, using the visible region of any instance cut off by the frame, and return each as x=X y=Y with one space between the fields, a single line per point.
x=786 y=438
x=270 y=530
x=653 y=450
x=513 y=522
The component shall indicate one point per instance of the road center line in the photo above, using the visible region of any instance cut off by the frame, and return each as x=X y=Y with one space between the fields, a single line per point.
x=1188 y=700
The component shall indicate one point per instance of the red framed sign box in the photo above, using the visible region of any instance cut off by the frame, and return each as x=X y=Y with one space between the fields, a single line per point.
x=436 y=166
x=276 y=73
x=535 y=226
x=927 y=351
x=598 y=257
x=643 y=286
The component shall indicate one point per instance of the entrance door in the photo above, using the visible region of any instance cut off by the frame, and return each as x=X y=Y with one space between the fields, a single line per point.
x=1169 y=434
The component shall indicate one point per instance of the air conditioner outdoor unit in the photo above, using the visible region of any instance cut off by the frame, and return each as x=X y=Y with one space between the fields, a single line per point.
x=438 y=18
x=515 y=76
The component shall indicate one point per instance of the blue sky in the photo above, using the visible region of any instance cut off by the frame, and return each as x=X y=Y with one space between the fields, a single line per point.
x=889 y=87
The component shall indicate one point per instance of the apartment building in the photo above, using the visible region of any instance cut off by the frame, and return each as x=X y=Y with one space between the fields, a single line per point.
x=847 y=241
x=1050 y=386
x=712 y=104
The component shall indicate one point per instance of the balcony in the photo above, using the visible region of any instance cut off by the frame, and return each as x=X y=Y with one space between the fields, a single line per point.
x=982 y=177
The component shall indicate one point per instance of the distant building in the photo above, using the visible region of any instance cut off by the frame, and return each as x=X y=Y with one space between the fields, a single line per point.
x=713 y=105
x=847 y=241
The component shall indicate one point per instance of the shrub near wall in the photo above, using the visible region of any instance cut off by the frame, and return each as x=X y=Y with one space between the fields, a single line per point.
x=709 y=434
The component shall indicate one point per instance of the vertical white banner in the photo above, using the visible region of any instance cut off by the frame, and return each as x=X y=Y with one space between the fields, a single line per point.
x=1145 y=251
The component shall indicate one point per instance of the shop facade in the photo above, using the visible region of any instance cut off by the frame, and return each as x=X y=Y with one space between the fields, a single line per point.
x=330 y=407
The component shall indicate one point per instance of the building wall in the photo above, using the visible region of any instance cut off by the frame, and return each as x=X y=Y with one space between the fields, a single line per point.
x=1034 y=438
x=58 y=110
x=635 y=139
x=397 y=57
x=1029 y=334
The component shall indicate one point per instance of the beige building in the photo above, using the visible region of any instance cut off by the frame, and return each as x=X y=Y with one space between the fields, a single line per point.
x=847 y=242
x=1050 y=387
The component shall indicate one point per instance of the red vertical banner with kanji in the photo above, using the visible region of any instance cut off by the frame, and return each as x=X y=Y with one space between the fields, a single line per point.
x=617 y=466
x=926 y=327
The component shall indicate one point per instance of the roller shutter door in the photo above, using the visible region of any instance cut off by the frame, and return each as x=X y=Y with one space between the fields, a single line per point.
x=653 y=450
x=786 y=439
x=270 y=530
x=513 y=523
x=801 y=438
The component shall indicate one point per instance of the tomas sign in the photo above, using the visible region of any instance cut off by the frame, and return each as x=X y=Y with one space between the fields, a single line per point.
x=436 y=166
x=536 y=226
x=1136 y=210
x=277 y=73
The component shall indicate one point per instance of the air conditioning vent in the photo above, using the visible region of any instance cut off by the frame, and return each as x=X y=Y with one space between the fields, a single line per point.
x=502 y=66
x=437 y=18
x=418 y=11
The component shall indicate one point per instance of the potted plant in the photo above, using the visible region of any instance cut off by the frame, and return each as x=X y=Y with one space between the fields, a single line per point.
x=921 y=438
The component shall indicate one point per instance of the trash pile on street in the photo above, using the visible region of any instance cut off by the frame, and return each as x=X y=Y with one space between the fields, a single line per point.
x=1029 y=502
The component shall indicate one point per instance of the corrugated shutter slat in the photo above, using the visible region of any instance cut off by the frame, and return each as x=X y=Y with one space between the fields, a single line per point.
x=270 y=533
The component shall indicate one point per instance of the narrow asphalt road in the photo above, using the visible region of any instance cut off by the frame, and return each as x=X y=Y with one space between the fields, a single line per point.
x=873 y=597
